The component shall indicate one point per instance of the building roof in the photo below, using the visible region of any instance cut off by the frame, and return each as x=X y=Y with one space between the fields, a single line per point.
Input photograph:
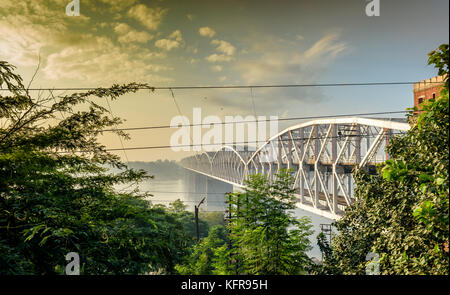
x=429 y=83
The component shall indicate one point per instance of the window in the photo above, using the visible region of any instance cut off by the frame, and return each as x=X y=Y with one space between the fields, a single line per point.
x=420 y=100
x=434 y=95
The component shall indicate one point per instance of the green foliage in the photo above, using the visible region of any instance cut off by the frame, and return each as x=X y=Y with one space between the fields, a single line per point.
x=440 y=59
x=266 y=237
x=178 y=209
x=402 y=212
x=202 y=260
x=263 y=235
x=212 y=218
x=177 y=206
x=328 y=258
x=56 y=196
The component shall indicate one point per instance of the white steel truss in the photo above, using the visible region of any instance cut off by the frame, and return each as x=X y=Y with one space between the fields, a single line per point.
x=321 y=153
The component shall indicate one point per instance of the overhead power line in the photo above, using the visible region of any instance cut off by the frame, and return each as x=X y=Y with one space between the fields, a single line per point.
x=186 y=201
x=237 y=143
x=253 y=121
x=120 y=138
x=184 y=192
x=236 y=86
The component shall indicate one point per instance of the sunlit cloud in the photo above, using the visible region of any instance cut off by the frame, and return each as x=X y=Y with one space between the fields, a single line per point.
x=296 y=67
x=206 y=32
x=100 y=61
x=286 y=65
x=218 y=58
x=176 y=35
x=217 y=68
x=167 y=44
x=174 y=40
x=129 y=35
x=224 y=47
x=118 y=5
x=147 y=16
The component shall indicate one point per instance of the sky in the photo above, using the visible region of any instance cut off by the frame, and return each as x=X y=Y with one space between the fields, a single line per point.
x=197 y=43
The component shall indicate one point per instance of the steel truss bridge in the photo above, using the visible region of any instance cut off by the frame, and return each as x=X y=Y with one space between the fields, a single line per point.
x=321 y=153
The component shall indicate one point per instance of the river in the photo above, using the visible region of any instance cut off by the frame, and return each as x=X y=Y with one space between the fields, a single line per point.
x=166 y=191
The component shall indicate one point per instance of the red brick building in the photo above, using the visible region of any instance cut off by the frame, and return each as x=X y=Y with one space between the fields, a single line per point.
x=427 y=89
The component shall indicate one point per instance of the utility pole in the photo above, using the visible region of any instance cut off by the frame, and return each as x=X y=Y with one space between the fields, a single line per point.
x=197 y=233
x=326 y=230
x=228 y=217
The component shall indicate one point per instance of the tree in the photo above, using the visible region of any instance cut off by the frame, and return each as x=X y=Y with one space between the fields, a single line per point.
x=57 y=194
x=402 y=212
x=266 y=237
x=187 y=219
x=212 y=218
x=440 y=59
x=202 y=260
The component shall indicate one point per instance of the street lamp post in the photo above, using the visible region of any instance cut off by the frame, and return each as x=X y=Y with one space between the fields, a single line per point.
x=197 y=233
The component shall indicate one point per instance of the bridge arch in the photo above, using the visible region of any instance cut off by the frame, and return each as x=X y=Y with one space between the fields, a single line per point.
x=322 y=154
x=228 y=163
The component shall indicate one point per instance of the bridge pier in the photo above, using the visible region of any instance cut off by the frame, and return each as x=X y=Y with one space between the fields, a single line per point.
x=199 y=185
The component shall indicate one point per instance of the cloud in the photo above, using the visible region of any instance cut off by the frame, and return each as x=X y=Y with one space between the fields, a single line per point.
x=327 y=47
x=206 y=32
x=218 y=58
x=176 y=35
x=77 y=48
x=100 y=61
x=27 y=27
x=20 y=41
x=129 y=35
x=167 y=44
x=226 y=50
x=118 y=5
x=149 y=17
x=175 y=40
x=295 y=66
x=147 y=54
x=217 y=68
x=134 y=36
x=224 y=47
x=287 y=65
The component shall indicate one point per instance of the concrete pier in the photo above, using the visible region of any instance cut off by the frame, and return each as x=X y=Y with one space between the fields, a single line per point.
x=198 y=186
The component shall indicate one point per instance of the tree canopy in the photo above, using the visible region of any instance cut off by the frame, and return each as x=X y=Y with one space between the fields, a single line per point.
x=402 y=212
x=57 y=194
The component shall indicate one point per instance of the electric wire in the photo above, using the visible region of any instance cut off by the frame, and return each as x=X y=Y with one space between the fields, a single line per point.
x=240 y=86
x=253 y=121
x=234 y=143
x=118 y=135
